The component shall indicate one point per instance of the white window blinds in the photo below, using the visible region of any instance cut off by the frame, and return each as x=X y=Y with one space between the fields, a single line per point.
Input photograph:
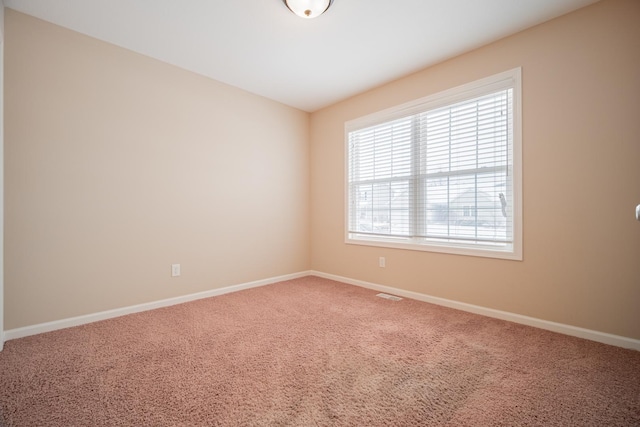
x=439 y=175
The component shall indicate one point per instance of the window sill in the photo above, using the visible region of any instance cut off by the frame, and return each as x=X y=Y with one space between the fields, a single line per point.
x=485 y=251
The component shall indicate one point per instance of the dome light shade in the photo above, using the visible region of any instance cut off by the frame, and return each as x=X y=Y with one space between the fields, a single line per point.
x=308 y=8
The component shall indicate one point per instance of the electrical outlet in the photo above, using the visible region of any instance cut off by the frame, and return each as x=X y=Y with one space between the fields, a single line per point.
x=382 y=262
x=175 y=270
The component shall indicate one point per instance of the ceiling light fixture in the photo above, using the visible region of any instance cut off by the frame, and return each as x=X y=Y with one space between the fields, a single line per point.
x=308 y=8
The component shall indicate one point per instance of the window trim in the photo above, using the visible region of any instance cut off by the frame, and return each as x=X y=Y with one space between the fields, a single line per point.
x=511 y=78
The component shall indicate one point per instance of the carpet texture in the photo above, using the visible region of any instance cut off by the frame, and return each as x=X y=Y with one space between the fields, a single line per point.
x=314 y=352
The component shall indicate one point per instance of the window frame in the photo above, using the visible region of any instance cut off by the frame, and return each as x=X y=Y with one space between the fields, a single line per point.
x=507 y=79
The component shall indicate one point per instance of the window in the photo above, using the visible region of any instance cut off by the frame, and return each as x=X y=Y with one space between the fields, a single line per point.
x=441 y=174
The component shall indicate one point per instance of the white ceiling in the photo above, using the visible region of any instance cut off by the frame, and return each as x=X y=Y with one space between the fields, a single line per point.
x=260 y=46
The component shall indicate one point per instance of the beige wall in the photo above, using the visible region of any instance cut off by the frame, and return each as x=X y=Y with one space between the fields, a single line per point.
x=581 y=154
x=1 y=174
x=118 y=165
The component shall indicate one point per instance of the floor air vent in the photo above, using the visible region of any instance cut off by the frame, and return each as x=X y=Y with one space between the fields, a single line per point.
x=387 y=296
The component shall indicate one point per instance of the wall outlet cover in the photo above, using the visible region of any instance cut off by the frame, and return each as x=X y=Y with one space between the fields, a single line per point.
x=175 y=270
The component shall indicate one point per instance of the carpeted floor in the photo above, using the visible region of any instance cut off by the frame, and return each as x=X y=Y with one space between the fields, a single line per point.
x=313 y=352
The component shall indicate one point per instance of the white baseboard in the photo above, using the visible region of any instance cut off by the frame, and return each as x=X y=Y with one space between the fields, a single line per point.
x=103 y=315
x=589 y=334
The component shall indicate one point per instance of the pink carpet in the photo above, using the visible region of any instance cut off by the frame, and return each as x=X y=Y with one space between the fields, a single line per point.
x=313 y=352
